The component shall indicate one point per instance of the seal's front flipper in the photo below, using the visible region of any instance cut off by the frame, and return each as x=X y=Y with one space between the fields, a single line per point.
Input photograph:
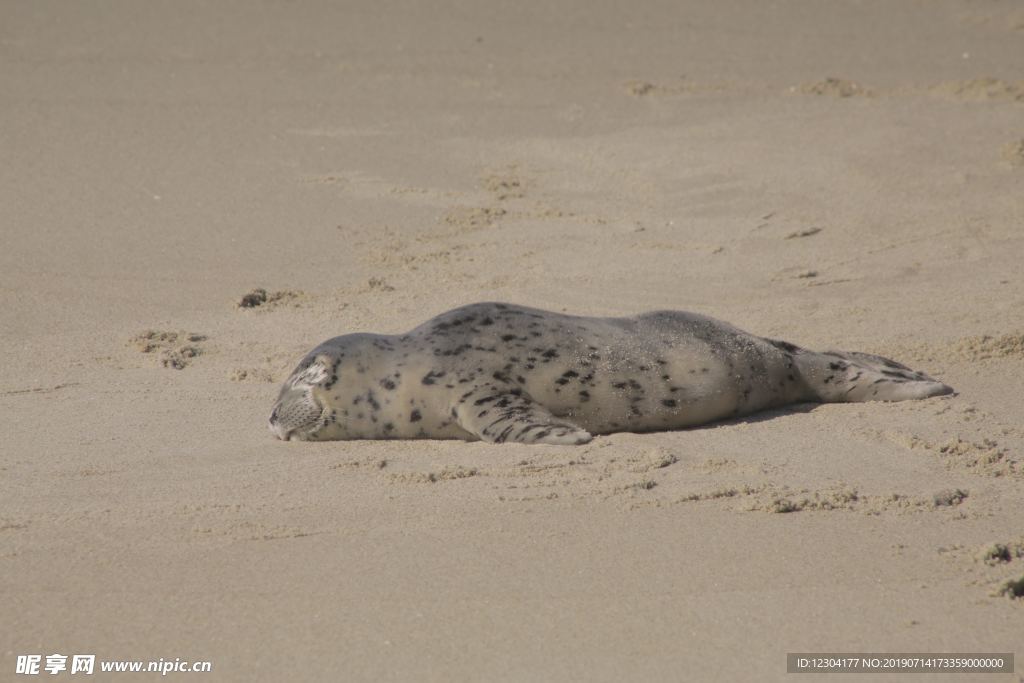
x=497 y=414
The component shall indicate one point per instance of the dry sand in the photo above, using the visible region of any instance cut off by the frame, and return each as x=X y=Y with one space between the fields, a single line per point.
x=845 y=174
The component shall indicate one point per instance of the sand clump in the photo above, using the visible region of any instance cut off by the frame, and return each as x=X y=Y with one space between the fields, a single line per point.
x=261 y=298
x=1001 y=555
x=1013 y=588
x=995 y=554
x=949 y=497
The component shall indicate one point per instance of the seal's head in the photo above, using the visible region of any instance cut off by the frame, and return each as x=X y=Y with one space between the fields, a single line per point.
x=298 y=414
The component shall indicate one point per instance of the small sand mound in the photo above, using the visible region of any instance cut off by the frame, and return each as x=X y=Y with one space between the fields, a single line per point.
x=256 y=297
x=1013 y=589
x=1001 y=553
x=949 y=498
x=260 y=297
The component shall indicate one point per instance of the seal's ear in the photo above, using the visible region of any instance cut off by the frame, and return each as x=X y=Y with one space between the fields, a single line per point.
x=319 y=370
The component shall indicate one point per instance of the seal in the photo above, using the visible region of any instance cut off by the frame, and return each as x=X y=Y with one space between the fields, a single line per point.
x=498 y=372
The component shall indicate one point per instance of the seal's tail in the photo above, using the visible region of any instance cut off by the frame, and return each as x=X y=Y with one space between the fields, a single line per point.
x=850 y=376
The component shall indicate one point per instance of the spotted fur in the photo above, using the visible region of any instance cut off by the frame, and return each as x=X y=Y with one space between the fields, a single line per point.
x=498 y=372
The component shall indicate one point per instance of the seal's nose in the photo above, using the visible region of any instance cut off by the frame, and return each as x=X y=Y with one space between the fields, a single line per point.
x=275 y=428
x=279 y=431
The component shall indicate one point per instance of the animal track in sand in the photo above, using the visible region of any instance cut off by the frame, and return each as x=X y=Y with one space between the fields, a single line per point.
x=39 y=390
x=984 y=458
x=995 y=566
x=175 y=350
x=649 y=478
x=251 y=375
x=998 y=553
x=444 y=474
x=808 y=232
x=682 y=86
x=969 y=90
x=975 y=349
x=505 y=184
x=835 y=87
x=247 y=530
x=468 y=218
x=784 y=500
x=980 y=90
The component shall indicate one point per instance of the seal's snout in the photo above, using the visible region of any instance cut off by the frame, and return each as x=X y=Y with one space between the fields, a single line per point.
x=275 y=427
x=296 y=415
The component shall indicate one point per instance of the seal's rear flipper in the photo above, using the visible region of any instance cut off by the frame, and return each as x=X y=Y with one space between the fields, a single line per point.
x=836 y=376
x=496 y=414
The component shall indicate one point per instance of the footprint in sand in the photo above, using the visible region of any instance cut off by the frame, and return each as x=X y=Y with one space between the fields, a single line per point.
x=174 y=350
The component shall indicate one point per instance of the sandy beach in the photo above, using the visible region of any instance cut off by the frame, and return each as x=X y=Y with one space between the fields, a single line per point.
x=836 y=174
